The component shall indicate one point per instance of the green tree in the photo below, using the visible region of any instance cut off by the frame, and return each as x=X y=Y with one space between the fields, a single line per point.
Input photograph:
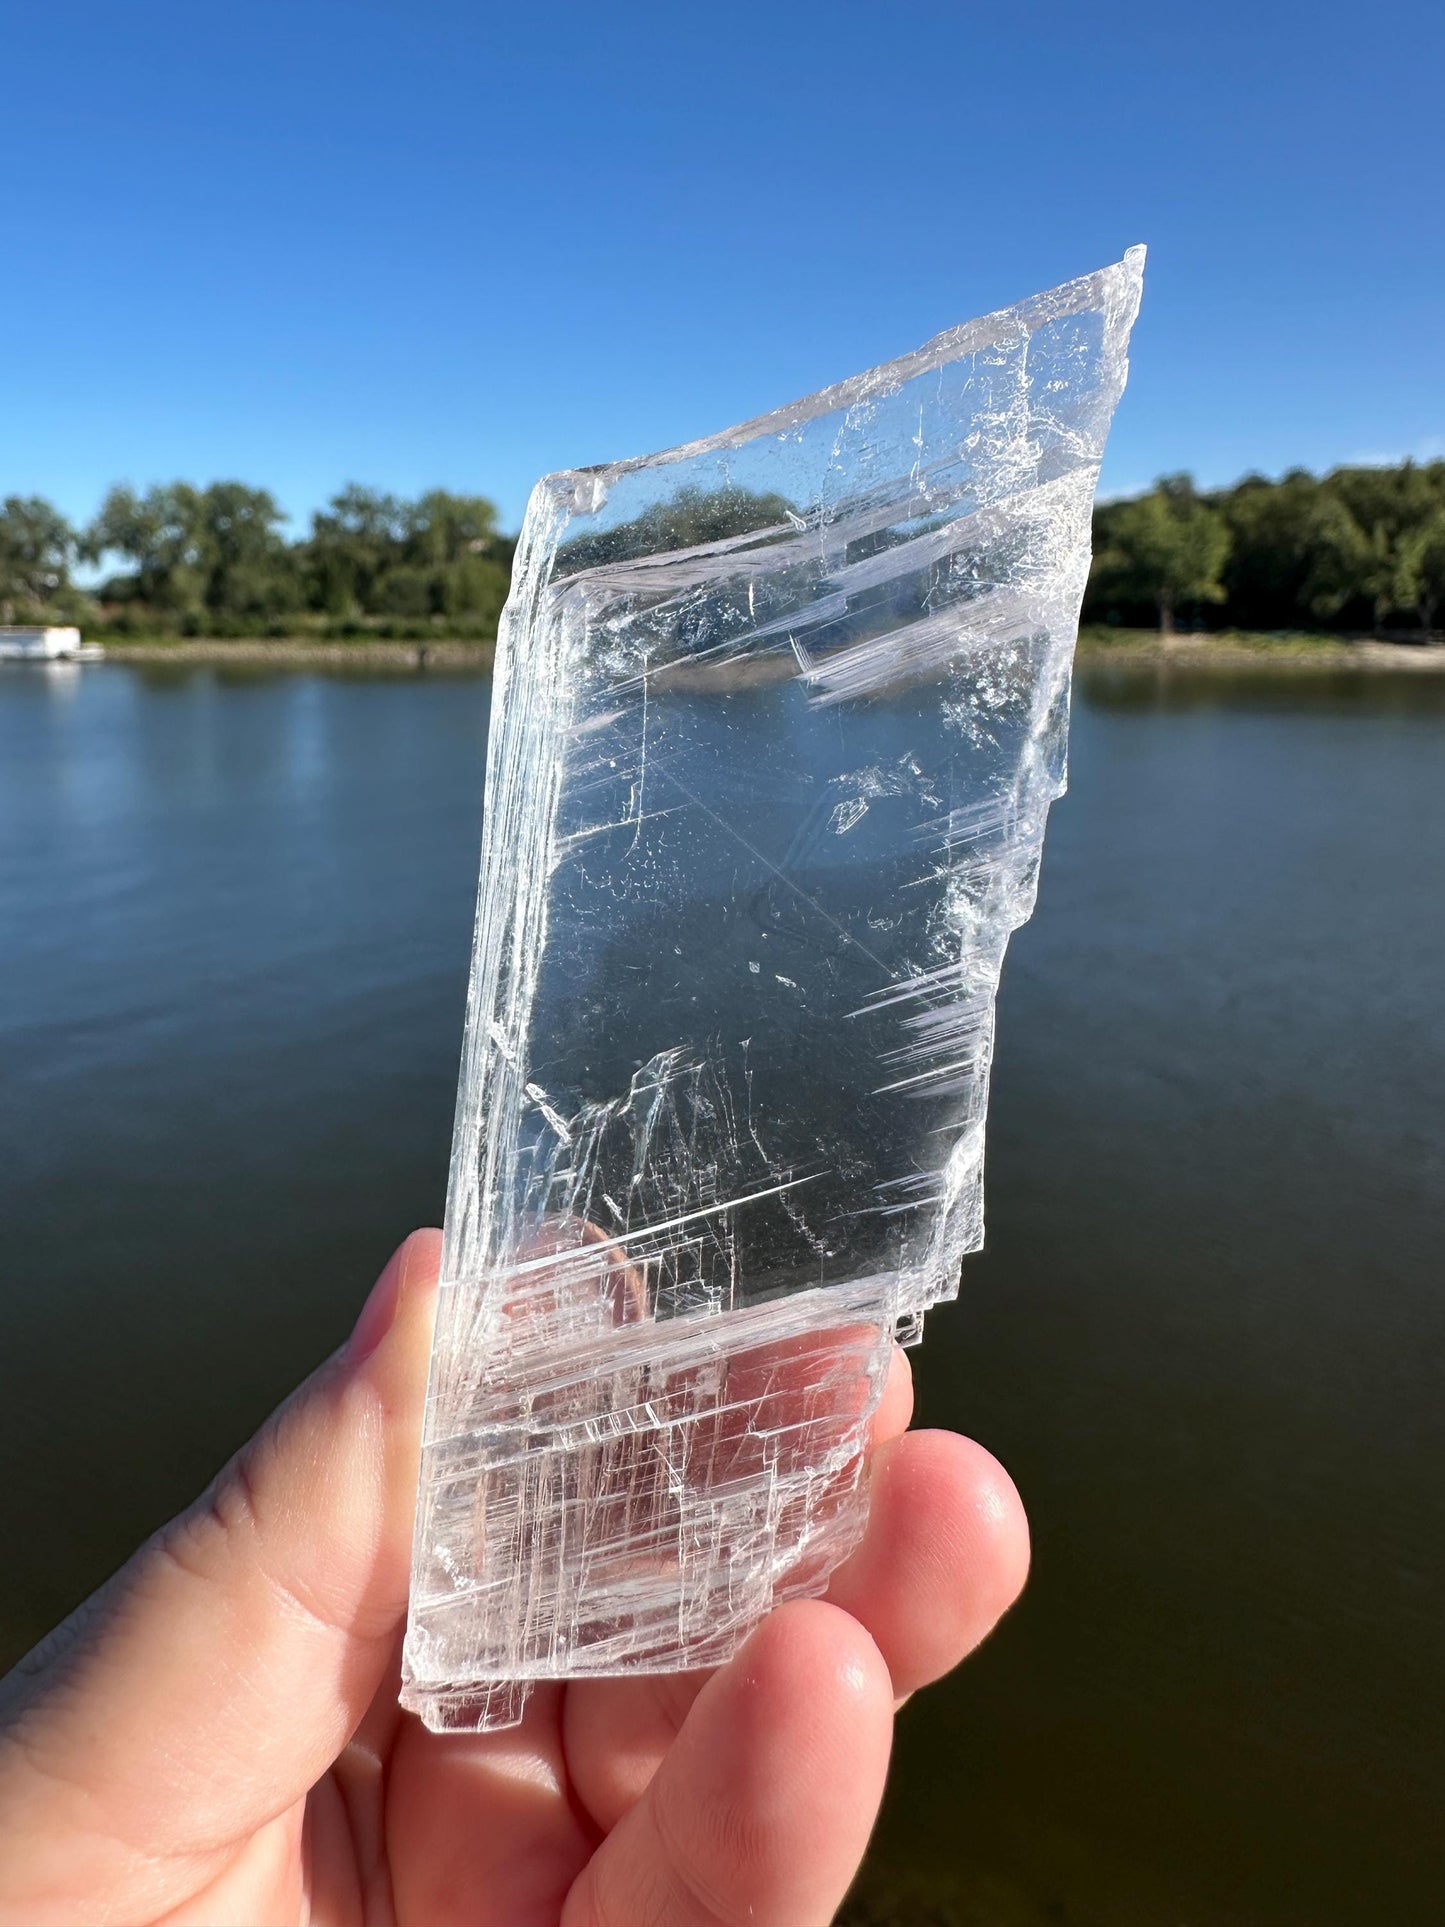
x=1384 y=573
x=197 y=555
x=1168 y=547
x=243 y=561
x=1271 y=530
x=684 y=520
x=156 y=533
x=36 y=545
x=1424 y=569
x=476 y=588
x=1365 y=536
x=441 y=528
x=355 y=540
x=452 y=544
x=406 y=592
x=1353 y=563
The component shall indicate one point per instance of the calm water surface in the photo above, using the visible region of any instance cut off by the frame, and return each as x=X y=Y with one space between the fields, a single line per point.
x=1208 y=1334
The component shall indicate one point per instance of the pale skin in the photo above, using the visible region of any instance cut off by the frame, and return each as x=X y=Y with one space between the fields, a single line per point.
x=214 y=1737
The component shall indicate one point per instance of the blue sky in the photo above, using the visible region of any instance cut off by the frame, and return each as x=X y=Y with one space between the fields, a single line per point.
x=433 y=243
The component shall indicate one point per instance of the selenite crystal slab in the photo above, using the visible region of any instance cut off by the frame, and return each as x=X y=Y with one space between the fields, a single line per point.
x=777 y=720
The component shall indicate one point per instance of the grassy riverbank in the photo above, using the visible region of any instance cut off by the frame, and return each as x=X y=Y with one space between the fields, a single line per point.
x=306 y=652
x=1244 y=649
x=1231 y=649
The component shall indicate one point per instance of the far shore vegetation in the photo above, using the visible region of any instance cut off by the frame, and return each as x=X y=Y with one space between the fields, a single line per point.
x=1300 y=567
x=179 y=562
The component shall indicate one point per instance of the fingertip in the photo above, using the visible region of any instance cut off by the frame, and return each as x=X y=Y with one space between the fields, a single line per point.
x=777 y=1782
x=823 y=1664
x=895 y=1406
x=409 y=1273
x=762 y=1808
x=945 y=1555
x=1001 y=1525
x=417 y=1261
x=961 y=1486
x=420 y=1253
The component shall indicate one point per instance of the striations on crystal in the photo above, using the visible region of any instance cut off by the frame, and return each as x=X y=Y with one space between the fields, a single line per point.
x=777 y=720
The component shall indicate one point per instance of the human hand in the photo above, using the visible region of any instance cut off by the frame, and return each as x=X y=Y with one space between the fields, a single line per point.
x=214 y=1736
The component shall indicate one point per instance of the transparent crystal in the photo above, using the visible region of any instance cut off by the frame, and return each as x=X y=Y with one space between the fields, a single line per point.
x=777 y=720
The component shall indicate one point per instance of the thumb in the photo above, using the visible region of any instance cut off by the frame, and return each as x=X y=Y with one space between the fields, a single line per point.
x=214 y=1679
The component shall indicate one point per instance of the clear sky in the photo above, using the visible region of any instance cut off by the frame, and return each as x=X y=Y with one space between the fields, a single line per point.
x=416 y=242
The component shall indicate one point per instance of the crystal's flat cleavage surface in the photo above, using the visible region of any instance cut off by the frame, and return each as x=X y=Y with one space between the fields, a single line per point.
x=777 y=721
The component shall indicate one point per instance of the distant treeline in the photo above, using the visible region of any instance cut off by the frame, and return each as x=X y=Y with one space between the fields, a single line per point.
x=189 y=561
x=1359 y=549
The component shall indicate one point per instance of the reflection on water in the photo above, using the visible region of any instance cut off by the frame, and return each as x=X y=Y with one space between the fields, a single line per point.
x=1170 y=689
x=1206 y=1333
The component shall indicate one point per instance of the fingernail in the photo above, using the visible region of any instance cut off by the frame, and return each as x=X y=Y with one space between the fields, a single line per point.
x=378 y=1314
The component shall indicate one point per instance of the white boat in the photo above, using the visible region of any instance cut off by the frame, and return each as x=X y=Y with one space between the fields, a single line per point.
x=45 y=644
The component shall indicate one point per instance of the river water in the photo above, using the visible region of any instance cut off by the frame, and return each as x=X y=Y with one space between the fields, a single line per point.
x=1207 y=1334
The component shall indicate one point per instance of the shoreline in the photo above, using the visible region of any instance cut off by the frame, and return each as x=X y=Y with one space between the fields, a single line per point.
x=303 y=653
x=1136 y=649
x=1130 y=649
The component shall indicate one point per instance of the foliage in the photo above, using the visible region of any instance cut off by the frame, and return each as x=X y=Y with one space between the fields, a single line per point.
x=195 y=554
x=1357 y=549
x=214 y=561
x=438 y=558
x=36 y=545
x=1423 y=564
x=1168 y=547
x=685 y=520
